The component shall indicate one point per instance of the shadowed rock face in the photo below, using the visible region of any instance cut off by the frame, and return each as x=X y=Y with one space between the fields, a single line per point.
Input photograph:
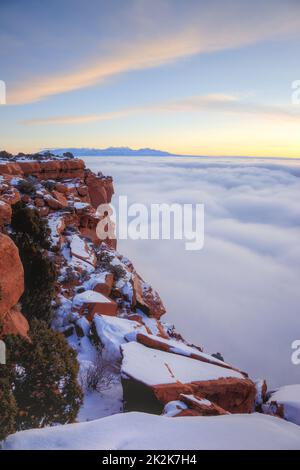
x=232 y=395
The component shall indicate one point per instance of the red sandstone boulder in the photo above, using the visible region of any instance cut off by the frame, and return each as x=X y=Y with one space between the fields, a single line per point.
x=82 y=190
x=10 y=168
x=96 y=189
x=164 y=343
x=43 y=211
x=188 y=412
x=202 y=406
x=11 y=275
x=5 y=213
x=88 y=224
x=61 y=199
x=152 y=378
x=56 y=201
x=192 y=405
x=90 y=303
x=12 y=196
x=62 y=188
x=39 y=202
x=104 y=286
x=109 y=187
x=147 y=299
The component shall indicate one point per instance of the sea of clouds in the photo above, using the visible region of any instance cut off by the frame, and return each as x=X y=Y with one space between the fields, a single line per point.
x=239 y=295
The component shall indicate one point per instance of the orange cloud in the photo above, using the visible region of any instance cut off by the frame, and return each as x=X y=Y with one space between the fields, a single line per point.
x=205 y=33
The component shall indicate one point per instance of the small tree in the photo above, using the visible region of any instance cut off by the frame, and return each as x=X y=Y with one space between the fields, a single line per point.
x=26 y=187
x=44 y=381
x=28 y=222
x=31 y=235
x=99 y=376
x=8 y=406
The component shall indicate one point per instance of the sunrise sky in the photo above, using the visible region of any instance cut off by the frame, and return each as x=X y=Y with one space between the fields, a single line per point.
x=189 y=77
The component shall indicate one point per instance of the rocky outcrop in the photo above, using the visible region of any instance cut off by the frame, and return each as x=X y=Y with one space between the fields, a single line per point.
x=104 y=286
x=202 y=406
x=177 y=347
x=284 y=403
x=155 y=378
x=11 y=288
x=47 y=169
x=232 y=394
x=100 y=189
x=102 y=300
x=147 y=299
x=90 y=303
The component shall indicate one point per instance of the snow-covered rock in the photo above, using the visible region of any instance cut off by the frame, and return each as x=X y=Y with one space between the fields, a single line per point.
x=114 y=331
x=152 y=378
x=82 y=250
x=174 y=408
x=285 y=402
x=179 y=347
x=202 y=406
x=89 y=303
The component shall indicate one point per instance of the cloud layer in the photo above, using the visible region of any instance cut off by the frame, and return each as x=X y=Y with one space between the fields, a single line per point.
x=240 y=294
x=214 y=102
x=156 y=33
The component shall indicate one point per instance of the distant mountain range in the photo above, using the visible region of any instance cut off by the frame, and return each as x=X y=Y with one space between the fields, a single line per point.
x=111 y=151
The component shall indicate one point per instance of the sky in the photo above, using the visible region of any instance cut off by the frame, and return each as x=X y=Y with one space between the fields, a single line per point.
x=190 y=77
x=239 y=294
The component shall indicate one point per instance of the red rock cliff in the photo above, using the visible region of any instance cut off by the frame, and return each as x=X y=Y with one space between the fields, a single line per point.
x=99 y=291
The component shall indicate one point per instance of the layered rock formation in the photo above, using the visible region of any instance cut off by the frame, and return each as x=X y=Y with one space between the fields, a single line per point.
x=102 y=303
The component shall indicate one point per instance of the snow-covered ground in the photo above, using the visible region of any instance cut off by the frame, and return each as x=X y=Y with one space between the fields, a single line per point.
x=145 y=431
x=289 y=397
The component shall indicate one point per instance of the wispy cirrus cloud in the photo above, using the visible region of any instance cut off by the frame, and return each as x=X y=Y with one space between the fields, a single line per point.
x=215 y=102
x=204 y=29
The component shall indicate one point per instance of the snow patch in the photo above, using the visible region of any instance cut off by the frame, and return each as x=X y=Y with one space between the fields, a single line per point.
x=150 y=432
x=154 y=367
